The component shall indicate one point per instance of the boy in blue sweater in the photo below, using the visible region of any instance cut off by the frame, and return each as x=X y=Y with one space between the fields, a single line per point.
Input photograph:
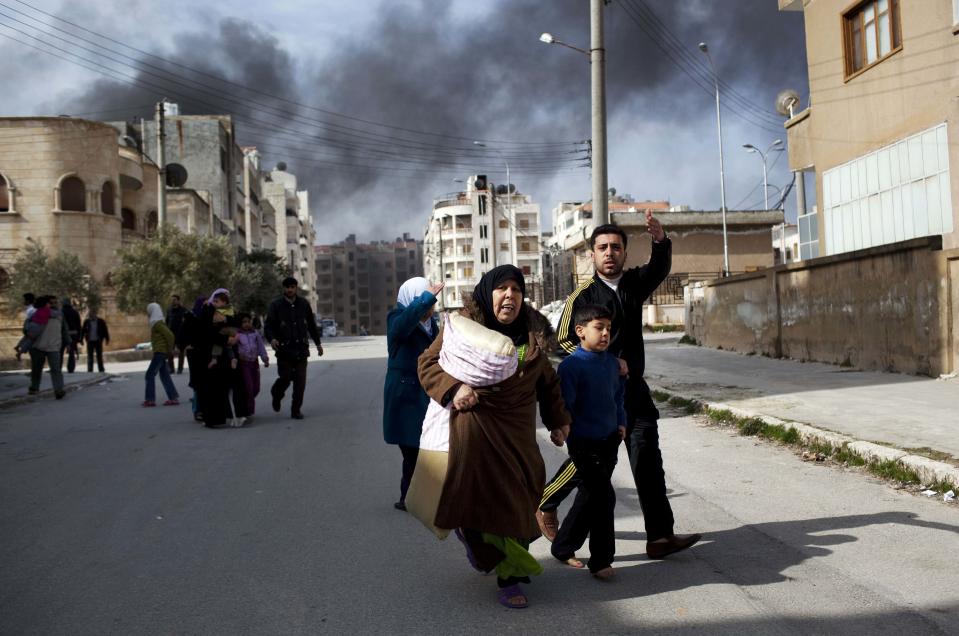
x=593 y=390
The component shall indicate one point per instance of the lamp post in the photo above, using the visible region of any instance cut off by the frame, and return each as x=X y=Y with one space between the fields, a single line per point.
x=597 y=57
x=722 y=171
x=776 y=145
x=509 y=204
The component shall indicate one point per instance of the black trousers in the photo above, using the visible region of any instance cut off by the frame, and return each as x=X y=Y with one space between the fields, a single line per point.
x=410 y=453
x=592 y=512
x=290 y=371
x=94 y=347
x=70 y=353
x=172 y=358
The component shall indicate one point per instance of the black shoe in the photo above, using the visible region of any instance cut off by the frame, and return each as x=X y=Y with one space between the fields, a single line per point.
x=32 y=391
x=399 y=505
x=276 y=404
x=59 y=394
x=297 y=416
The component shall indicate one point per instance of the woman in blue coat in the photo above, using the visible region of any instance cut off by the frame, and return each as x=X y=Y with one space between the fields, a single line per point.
x=410 y=329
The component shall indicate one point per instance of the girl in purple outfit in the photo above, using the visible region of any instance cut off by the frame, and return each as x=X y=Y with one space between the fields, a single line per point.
x=249 y=347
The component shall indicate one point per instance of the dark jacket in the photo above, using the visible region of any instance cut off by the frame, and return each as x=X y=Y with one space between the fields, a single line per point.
x=102 y=333
x=626 y=305
x=174 y=318
x=71 y=317
x=404 y=401
x=291 y=324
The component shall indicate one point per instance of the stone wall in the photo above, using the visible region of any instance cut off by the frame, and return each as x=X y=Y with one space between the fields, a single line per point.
x=889 y=308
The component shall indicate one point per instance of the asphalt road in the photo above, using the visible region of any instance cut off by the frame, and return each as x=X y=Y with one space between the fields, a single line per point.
x=116 y=519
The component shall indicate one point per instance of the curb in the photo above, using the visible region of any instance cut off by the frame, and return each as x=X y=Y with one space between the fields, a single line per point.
x=47 y=393
x=928 y=470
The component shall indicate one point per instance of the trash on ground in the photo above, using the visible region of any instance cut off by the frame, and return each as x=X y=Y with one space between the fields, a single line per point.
x=808 y=456
x=929 y=493
x=949 y=496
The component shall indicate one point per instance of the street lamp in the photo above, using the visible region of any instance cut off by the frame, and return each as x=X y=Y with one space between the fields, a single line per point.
x=597 y=58
x=509 y=203
x=722 y=171
x=776 y=145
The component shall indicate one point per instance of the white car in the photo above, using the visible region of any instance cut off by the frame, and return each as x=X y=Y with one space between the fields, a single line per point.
x=327 y=328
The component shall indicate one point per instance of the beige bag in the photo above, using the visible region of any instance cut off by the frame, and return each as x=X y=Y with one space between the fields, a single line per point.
x=423 y=496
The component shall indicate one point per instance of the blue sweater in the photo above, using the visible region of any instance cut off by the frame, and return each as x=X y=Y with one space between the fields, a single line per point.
x=593 y=392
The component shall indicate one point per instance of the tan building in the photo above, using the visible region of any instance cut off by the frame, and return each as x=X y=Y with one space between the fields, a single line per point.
x=357 y=283
x=882 y=126
x=294 y=232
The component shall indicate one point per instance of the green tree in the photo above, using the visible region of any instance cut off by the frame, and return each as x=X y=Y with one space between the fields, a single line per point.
x=172 y=263
x=63 y=276
x=256 y=281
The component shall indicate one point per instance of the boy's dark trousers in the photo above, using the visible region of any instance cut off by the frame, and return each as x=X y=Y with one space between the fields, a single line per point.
x=289 y=370
x=592 y=511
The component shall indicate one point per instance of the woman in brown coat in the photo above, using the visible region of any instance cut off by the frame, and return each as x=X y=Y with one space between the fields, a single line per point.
x=495 y=475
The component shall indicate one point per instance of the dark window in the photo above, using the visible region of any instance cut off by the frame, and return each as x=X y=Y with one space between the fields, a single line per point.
x=527 y=270
x=151 y=221
x=4 y=279
x=73 y=195
x=222 y=158
x=871 y=32
x=129 y=219
x=4 y=195
x=107 y=199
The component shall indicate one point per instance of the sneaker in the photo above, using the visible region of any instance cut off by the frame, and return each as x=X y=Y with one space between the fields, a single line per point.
x=149 y=403
x=297 y=416
x=173 y=402
x=237 y=422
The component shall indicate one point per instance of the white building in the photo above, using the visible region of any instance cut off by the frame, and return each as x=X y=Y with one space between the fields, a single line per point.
x=473 y=231
x=295 y=233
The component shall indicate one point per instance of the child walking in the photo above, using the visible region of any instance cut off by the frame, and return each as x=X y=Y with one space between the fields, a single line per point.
x=593 y=392
x=161 y=339
x=249 y=347
x=38 y=315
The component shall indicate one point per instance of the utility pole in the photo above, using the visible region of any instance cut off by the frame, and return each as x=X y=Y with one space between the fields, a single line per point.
x=161 y=161
x=439 y=229
x=247 y=213
x=597 y=57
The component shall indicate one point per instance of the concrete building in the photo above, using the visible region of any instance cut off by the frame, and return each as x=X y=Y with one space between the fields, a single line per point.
x=882 y=126
x=357 y=283
x=785 y=239
x=473 y=231
x=295 y=234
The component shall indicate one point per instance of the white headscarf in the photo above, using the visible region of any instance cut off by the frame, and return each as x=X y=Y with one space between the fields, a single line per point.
x=155 y=312
x=410 y=291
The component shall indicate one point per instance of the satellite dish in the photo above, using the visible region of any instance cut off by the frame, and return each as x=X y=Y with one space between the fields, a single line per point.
x=786 y=101
x=501 y=189
x=175 y=175
x=480 y=183
x=281 y=166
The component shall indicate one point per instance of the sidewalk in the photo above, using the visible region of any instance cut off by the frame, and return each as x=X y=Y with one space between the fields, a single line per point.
x=905 y=412
x=14 y=385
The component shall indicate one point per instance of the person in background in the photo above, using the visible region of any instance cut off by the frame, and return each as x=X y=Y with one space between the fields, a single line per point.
x=72 y=318
x=95 y=333
x=174 y=320
x=48 y=347
x=290 y=324
x=249 y=347
x=162 y=342
x=410 y=330
x=37 y=317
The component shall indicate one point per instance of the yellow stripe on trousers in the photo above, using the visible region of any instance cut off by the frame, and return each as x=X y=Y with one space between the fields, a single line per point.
x=559 y=482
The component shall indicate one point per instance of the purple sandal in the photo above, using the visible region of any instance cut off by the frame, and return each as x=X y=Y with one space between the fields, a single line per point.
x=469 y=551
x=512 y=597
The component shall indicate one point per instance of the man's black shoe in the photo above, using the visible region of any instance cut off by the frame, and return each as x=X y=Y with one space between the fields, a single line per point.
x=276 y=404
x=297 y=415
x=59 y=394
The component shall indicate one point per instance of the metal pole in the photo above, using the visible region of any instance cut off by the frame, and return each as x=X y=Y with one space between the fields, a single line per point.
x=509 y=213
x=722 y=169
x=247 y=202
x=439 y=223
x=597 y=56
x=161 y=174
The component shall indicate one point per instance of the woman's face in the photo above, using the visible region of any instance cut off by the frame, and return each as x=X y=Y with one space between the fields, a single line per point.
x=219 y=302
x=507 y=301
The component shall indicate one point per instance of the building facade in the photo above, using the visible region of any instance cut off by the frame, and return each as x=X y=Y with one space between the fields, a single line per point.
x=881 y=131
x=357 y=283
x=473 y=231
x=295 y=234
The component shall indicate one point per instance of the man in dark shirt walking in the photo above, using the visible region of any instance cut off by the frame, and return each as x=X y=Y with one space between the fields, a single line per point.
x=290 y=324
x=623 y=292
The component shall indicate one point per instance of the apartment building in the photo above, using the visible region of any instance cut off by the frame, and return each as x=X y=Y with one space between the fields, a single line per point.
x=357 y=283
x=881 y=127
x=473 y=231
x=295 y=234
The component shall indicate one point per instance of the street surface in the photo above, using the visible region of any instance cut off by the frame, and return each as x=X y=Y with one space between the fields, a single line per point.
x=121 y=520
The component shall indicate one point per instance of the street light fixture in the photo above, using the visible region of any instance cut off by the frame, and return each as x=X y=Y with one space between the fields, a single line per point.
x=776 y=145
x=509 y=203
x=549 y=38
x=722 y=171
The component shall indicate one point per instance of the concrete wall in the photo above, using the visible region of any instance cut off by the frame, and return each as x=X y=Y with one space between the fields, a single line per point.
x=889 y=308
x=908 y=92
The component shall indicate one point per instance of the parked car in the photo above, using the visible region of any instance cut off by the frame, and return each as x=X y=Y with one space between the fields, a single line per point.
x=328 y=327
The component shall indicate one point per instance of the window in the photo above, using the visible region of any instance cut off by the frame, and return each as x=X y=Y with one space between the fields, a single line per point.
x=524 y=246
x=151 y=221
x=4 y=279
x=222 y=158
x=523 y=224
x=503 y=224
x=527 y=270
x=107 y=199
x=73 y=195
x=484 y=229
x=467 y=272
x=5 y=197
x=871 y=32
x=129 y=219
x=482 y=200
x=484 y=255
x=504 y=247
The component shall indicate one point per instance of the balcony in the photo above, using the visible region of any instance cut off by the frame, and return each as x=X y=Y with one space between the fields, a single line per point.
x=452 y=199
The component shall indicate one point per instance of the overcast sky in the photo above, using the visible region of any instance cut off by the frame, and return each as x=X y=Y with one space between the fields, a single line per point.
x=374 y=104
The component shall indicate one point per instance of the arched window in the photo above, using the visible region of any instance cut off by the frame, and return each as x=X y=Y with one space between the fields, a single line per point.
x=4 y=194
x=4 y=279
x=151 y=222
x=107 y=199
x=129 y=219
x=73 y=195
